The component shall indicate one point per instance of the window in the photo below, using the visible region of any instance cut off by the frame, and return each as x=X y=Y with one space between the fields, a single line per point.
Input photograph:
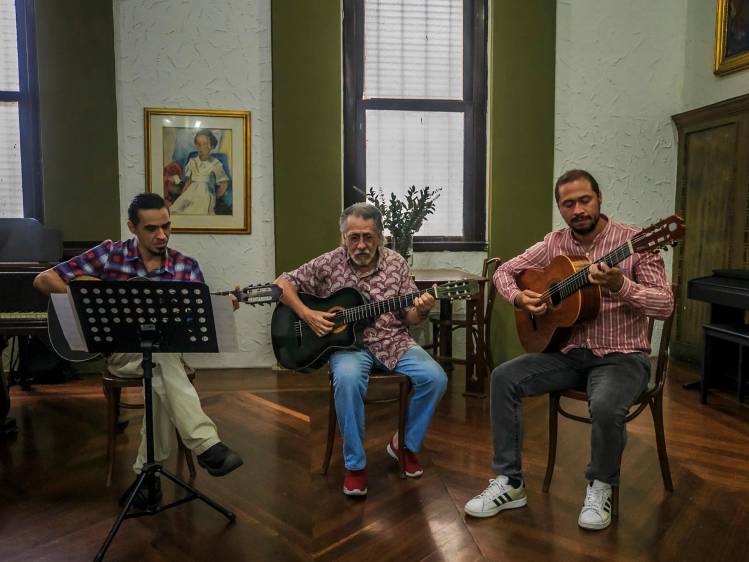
x=415 y=110
x=20 y=194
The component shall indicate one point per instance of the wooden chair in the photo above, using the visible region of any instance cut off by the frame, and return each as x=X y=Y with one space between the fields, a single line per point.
x=112 y=386
x=376 y=378
x=470 y=323
x=652 y=396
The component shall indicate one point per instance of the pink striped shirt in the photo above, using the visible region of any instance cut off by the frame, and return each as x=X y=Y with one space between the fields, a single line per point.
x=622 y=323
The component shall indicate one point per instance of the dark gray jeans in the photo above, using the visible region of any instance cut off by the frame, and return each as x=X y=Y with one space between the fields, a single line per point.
x=612 y=382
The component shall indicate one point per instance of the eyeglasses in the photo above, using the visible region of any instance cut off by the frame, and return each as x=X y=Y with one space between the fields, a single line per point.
x=355 y=237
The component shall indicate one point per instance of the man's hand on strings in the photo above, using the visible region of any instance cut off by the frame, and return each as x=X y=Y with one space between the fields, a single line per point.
x=601 y=274
x=320 y=322
x=530 y=301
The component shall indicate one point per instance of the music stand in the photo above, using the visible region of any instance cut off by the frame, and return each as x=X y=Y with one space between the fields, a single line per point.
x=144 y=317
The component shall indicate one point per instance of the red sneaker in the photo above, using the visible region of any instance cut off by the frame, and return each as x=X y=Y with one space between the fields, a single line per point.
x=413 y=467
x=355 y=482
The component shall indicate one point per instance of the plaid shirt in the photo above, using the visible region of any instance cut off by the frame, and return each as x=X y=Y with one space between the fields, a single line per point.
x=388 y=338
x=120 y=261
x=622 y=323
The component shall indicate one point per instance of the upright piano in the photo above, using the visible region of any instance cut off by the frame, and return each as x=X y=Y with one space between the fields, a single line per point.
x=26 y=248
x=727 y=291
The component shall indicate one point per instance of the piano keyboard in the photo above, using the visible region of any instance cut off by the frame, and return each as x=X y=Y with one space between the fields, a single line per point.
x=23 y=316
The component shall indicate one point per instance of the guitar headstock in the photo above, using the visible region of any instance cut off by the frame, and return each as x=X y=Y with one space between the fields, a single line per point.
x=266 y=293
x=662 y=234
x=458 y=290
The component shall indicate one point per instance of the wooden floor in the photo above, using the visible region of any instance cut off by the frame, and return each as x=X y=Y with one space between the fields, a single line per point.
x=54 y=504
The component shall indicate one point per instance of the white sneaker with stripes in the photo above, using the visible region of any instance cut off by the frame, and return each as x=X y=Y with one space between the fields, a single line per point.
x=596 y=512
x=498 y=495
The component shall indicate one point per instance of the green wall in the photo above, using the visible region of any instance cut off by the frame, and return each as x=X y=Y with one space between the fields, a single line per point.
x=307 y=112
x=78 y=118
x=521 y=139
x=307 y=152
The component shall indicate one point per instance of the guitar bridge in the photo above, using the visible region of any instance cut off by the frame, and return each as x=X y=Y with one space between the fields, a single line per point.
x=533 y=320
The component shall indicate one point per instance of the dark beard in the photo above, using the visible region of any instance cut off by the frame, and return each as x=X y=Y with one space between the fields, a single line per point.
x=587 y=229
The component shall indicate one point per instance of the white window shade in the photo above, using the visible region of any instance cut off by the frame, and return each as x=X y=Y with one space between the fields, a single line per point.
x=406 y=148
x=413 y=49
x=11 y=194
x=8 y=47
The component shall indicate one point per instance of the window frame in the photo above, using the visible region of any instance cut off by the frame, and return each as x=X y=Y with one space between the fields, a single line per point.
x=27 y=98
x=473 y=105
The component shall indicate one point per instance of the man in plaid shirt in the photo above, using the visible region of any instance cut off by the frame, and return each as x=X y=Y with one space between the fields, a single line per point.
x=607 y=356
x=175 y=401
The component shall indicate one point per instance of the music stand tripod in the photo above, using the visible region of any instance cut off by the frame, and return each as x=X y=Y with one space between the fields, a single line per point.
x=144 y=317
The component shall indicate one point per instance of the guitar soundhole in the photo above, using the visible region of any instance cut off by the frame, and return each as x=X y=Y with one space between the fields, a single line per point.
x=555 y=295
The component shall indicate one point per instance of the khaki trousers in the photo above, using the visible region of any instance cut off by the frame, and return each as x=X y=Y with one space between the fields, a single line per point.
x=175 y=405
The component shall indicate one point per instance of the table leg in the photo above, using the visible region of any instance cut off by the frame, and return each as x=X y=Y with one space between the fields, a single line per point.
x=446 y=333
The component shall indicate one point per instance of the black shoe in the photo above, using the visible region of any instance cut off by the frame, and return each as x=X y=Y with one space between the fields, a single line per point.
x=143 y=499
x=219 y=460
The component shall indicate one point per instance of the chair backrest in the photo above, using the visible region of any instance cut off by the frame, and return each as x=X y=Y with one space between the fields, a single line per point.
x=487 y=271
x=662 y=360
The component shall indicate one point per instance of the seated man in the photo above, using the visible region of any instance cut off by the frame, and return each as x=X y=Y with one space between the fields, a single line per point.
x=363 y=263
x=608 y=356
x=175 y=401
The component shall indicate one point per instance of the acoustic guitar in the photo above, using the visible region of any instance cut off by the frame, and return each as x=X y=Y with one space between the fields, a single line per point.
x=569 y=296
x=253 y=295
x=298 y=348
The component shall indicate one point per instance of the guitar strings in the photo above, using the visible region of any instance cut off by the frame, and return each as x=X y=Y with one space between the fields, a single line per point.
x=582 y=275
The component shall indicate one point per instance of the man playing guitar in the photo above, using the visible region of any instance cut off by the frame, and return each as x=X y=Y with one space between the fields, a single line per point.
x=363 y=263
x=175 y=401
x=608 y=355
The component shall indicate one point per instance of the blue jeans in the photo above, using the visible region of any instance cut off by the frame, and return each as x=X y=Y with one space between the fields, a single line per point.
x=351 y=371
x=612 y=382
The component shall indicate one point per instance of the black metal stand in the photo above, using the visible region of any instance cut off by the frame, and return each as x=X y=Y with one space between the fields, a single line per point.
x=151 y=469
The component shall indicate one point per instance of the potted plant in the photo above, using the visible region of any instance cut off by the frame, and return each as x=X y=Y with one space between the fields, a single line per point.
x=404 y=217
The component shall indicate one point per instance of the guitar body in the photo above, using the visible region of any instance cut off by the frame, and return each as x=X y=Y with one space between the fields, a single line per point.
x=298 y=348
x=550 y=330
x=57 y=338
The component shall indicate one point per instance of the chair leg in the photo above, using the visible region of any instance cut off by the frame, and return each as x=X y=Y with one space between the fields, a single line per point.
x=184 y=452
x=112 y=398
x=435 y=341
x=553 y=423
x=402 y=410
x=332 y=422
x=614 y=502
x=656 y=408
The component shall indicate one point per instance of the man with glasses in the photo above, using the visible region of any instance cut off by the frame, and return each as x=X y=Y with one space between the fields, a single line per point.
x=363 y=263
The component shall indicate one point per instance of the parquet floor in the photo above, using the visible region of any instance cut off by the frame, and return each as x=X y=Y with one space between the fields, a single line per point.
x=54 y=504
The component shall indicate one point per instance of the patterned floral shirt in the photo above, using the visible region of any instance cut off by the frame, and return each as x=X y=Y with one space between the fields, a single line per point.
x=119 y=261
x=388 y=338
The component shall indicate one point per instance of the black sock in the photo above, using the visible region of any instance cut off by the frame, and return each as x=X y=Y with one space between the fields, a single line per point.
x=514 y=482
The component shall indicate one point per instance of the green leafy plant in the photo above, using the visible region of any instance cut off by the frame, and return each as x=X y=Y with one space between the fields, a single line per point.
x=404 y=217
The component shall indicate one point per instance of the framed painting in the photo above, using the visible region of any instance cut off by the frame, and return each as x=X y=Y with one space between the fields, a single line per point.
x=199 y=160
x=731 y=36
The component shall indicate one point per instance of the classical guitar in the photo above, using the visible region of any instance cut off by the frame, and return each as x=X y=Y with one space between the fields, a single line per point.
x=569 y=296
x=252 y=294
x=298 y=348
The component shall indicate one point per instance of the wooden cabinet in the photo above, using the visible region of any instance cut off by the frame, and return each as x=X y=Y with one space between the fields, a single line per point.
x=712 y=196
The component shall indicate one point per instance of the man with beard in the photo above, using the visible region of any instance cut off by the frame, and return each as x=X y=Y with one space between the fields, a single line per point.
x=608 y=356
x=363 y=263
x=175 y=402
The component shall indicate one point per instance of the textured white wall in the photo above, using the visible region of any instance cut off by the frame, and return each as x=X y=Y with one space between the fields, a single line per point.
x=205 y=55
x=701 y=86
x=619 y=78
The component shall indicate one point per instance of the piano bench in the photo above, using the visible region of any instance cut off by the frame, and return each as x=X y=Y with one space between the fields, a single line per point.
x=112 y=386
x=734 y=333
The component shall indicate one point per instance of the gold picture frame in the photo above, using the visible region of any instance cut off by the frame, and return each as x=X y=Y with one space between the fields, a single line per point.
x=199 y=160
x=731 y=36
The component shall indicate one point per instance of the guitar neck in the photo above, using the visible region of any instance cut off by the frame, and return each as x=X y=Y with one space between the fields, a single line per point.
x=579 y=280
x=374 y=309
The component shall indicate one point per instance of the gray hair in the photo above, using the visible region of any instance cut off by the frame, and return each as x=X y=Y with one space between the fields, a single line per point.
x=365 y=211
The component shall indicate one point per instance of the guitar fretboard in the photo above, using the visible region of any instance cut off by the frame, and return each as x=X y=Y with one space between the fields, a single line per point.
x=373 y=309
x=578 y=280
